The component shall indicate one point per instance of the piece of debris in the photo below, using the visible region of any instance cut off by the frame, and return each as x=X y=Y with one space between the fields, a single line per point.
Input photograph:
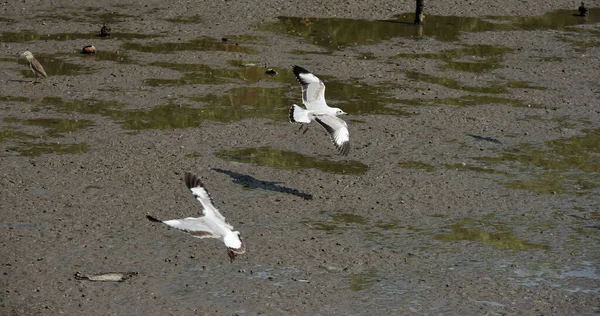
x=270 y=71
x=104 y=30
x=89 y=49
x=106 y=277
x=224 y=39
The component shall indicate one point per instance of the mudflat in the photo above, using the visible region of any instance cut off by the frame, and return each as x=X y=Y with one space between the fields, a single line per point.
x=471 y=186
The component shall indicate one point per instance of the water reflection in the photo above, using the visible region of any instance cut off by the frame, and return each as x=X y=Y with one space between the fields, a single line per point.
x=338 y=33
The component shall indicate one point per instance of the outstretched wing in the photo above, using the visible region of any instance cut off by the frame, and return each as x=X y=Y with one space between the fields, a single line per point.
x=338 y=131
x=195 y=185
x=313 y=89
x=196 y=227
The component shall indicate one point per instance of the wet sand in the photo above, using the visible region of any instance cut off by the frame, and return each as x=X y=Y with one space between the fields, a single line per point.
x=471 y=187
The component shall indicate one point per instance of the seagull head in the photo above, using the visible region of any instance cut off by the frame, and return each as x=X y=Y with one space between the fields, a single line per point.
x=235 y=245
x=28 y=55
x=339 y=111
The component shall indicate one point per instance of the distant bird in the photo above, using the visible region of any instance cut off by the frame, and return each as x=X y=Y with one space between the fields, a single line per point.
x=104 y=30
x=89 y=49
x=35 y=65
x=313 y=97
x=211 y=225
x=583 y=11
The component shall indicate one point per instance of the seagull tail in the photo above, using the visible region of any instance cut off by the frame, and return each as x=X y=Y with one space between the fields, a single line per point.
x=298 y=115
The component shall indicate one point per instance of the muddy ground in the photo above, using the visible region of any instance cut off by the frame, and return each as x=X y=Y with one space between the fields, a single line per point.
x=471 y=187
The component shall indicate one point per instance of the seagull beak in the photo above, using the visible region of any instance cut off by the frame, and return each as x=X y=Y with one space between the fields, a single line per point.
x=232 y=252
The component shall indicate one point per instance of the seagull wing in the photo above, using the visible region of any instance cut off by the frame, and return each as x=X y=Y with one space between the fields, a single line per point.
x=313 y=89
x=338 y=131
x=195 y=226
x=210 y=211
x=36 y=66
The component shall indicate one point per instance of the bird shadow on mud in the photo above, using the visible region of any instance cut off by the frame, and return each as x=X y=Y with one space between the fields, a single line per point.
x=253 y=183
x=487 y=139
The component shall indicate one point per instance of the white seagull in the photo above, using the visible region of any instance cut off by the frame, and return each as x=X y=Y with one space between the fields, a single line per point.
x=313 y=97
x=211 y=225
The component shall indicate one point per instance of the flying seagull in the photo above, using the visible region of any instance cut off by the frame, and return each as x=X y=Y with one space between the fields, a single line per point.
x=211 y=225
x=35 y=65
x=313 y=97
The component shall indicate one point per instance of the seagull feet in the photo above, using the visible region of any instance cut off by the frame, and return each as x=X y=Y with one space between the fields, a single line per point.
x=306 y=130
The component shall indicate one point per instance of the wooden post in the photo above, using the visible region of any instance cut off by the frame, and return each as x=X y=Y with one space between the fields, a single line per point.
x=419 y=15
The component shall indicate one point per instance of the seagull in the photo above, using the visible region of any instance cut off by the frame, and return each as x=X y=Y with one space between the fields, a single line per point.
x=211 y=225
x=313 y=97
x=35 y=65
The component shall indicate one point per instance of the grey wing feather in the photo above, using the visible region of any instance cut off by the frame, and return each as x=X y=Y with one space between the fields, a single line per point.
x=338 y=131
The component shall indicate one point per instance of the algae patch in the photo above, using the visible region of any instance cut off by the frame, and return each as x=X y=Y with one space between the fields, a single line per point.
x=264 y=156
x=471 y=230
x=200 y=44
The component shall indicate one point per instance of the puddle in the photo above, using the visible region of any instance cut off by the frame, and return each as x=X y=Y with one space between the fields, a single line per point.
x=27 y=36
x=185 y=20
x=468 y=229
x=107 y=55
x=568 y=165
x=467 y=100
x=416 y=165
x=37 y=149
x=202 y=74
x=13 y=134
x=492 y=88
x=363 y=280
x=480 y=57
x=168 y=116
x=200 y=44
x=465 y=167
x=264 y=156
x=55 y=126
x=337 y=33
x=570 y=279
x=13 y=98
x=86 y=106
x=241 y=103
x=246 y=102
x=85 y=14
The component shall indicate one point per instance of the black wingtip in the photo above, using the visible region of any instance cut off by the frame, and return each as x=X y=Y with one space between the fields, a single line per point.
x=297 y=70
x=192 y=181
x=153 y=219
x=291 y=114
x=344 y=149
